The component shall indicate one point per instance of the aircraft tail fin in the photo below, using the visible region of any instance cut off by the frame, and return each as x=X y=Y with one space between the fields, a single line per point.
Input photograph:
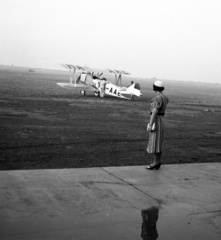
x=134 y=89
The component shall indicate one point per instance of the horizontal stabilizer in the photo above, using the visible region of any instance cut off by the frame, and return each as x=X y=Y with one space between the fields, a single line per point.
x=132 y=90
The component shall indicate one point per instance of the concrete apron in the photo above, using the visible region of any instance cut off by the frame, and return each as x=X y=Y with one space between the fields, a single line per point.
x=176 y=202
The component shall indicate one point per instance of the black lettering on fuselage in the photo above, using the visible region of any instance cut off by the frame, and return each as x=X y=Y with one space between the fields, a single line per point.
x=114 y=91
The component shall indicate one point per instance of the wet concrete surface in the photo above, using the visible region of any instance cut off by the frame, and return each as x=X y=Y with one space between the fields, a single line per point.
x=176 y=202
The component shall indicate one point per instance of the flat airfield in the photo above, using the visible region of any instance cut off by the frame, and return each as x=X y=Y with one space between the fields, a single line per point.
x=101 y=145
x=44 y=126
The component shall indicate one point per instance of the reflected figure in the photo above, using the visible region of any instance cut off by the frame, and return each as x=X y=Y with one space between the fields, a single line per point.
x=148 y=229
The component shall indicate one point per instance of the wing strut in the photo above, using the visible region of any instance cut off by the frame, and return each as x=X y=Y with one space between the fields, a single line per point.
x=73 y=77
x=118 y=79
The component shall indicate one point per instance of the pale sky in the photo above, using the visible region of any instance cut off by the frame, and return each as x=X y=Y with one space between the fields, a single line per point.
x=167 y=39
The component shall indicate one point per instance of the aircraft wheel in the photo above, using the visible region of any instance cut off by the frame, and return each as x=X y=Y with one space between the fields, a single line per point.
x=97 y=94
x=83 y=93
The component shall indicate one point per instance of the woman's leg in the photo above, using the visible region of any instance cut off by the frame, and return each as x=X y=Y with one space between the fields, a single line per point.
x=157 y=157
x=156 y=162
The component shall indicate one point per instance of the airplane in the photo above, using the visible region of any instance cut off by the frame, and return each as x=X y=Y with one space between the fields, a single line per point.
x=89 y=79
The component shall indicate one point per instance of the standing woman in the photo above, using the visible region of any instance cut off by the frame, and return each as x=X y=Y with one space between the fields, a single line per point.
x=156 y=125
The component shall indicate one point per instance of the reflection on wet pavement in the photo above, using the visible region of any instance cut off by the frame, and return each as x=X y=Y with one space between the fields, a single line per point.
x=112 y=203
x=149 y=228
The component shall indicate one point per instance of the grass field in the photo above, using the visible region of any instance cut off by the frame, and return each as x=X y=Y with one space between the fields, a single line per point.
x=45 y=126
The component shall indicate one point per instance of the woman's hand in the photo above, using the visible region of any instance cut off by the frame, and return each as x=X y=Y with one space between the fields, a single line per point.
x=149 y=127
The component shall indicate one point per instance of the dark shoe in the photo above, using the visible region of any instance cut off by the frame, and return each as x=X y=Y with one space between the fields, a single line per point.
x=158 y=166
x=152 y=167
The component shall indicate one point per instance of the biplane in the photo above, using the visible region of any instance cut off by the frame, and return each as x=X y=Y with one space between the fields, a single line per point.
x=90 y=79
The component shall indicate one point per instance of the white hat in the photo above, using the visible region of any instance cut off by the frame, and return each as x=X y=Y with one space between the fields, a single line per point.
x=159 y=84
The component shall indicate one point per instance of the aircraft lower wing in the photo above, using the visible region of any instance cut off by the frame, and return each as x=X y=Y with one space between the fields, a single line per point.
x=71 y=86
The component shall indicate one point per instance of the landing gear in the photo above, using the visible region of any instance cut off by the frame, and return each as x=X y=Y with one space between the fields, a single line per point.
x=83 y=93
x=97 y=94
x=132 y=97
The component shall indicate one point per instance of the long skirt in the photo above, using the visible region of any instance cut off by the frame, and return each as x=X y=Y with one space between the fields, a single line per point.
x=155 y=143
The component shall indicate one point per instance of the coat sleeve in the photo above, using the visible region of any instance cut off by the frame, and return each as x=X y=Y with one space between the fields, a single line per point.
x=157 y=103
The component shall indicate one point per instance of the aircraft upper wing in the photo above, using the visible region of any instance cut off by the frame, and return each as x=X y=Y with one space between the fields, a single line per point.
x=94 y=70
x=108 y=71
x=74 y=67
